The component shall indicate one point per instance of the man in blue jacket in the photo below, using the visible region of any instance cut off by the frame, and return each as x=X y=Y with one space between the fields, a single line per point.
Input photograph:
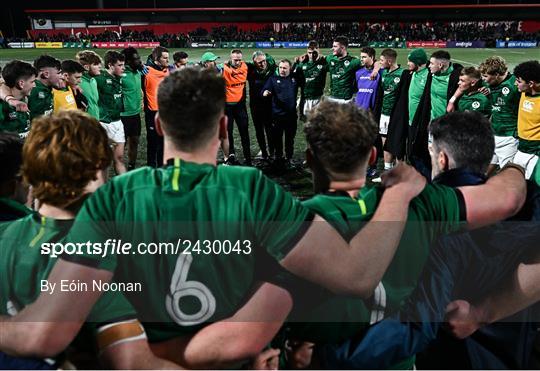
x=283 y=90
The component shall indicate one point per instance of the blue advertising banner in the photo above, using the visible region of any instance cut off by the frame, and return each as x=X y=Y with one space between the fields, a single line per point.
x=516 y=44
x=466 y=44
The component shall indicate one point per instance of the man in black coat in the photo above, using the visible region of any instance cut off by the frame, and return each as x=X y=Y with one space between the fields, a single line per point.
x=441 y=84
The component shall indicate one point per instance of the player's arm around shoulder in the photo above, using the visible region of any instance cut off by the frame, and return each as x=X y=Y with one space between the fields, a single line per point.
x=241 y=337
x=501 y=197
x=357 y=267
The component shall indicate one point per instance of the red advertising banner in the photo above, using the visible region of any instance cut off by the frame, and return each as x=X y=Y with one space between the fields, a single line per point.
x=125 y=44
x=426 y=44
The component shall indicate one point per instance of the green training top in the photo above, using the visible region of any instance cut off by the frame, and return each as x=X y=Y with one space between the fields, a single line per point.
x=132 y=93
x=110 y=96
x=12 y=121
x=89 y=87
x=390 y=81
x=40 y=101
x=439 y=92
x=23 y=266
x=416 y=89
x=314 y=73
x=220 y=223
x=475 y=102
x=342 y=75
x=505 y=105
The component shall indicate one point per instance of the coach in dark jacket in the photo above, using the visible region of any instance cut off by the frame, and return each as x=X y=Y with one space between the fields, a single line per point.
x=283 y=90
x=443 y=74
x=262 y=68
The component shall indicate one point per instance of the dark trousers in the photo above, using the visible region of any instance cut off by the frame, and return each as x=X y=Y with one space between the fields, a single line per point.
x=154 y=142
x=238 y=113
x=262 y=120
x=284 y=125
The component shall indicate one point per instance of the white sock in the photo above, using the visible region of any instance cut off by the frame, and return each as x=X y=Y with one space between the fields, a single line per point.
x=388 y=165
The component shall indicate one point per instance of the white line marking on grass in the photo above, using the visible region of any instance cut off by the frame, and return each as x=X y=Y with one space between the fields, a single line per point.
x=459 y=60
x=517 y=52
x=491 y=50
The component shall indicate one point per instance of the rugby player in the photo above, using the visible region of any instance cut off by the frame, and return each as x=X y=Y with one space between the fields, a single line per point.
x=342 y=68
x=391 y=77
x=313 y=71
x=261 y=221
x=528 y=83
x=78 y=147
x=19 y=80
x=111 y=105
x=40 y=101
x=504 y=97
x=91 y=62
x=367 y=88
x=65 y=97
x=468 y=96
x=132 y=95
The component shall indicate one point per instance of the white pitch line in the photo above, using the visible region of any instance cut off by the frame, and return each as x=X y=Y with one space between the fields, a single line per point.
x=517 y=52
x=491 y=50
x=459 y=60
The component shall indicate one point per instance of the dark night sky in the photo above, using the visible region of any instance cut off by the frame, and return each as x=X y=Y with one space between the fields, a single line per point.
x=13 y=17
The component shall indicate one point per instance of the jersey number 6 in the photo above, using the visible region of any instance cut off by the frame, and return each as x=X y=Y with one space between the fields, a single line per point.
x=180 y=288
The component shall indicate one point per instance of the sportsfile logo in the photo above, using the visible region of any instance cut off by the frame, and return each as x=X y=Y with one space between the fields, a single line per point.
x=121 y=247
x=464 y=44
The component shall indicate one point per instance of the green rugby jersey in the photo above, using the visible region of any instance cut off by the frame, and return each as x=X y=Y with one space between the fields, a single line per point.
x=342 y=75
x=12 y=121
x=89 y=87
x=23 y=267
x=132 y=93
x=435 y=211
x=40 y=101
x=475 y=102
x=416 y=89
x=110 y=96
x=439 y=92
x=314 y=73
x=390 y=81
x=244 y=215
x=505 y=105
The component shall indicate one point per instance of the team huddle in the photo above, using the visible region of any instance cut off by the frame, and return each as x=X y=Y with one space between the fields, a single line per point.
x=361 y=275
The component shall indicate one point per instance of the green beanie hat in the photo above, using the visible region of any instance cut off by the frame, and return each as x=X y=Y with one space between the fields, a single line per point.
x=418 y=56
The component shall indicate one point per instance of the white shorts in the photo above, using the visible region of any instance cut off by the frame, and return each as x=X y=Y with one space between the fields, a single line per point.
x=505 y=150
x=115 y=131
x=383 y=124
x=341 y=101
x=309 y=104
x=527 y=161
